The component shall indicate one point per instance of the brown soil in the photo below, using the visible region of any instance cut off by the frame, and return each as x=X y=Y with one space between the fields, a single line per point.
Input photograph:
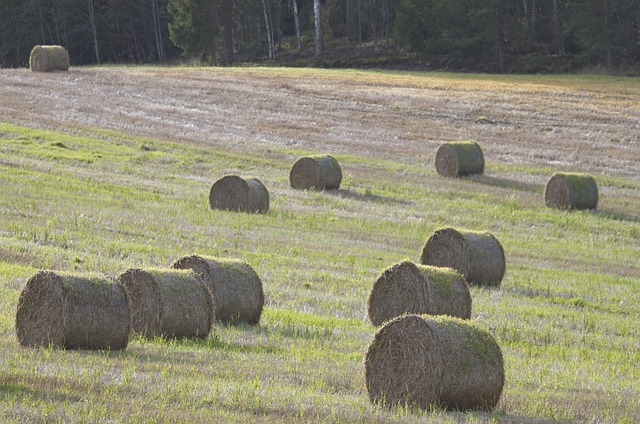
x=589 y=125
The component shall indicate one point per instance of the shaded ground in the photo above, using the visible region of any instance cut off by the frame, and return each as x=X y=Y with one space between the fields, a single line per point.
x=575 y=124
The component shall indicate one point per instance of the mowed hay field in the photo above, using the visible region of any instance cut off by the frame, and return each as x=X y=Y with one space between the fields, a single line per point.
x=108 y=169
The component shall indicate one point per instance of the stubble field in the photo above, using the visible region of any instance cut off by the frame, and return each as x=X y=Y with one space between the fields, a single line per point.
x=106 y=169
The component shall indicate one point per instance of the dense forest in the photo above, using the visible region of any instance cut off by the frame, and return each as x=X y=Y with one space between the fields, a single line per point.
x=478 y=35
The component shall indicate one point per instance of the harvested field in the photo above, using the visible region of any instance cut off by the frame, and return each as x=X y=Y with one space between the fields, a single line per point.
x=398 y=116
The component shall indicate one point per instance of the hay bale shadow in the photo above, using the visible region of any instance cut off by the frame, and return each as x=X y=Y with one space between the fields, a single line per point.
x=366 y=197
x=506 y=183
x=618 y=216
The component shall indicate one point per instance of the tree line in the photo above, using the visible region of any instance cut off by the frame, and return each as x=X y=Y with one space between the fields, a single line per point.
x=497 y=35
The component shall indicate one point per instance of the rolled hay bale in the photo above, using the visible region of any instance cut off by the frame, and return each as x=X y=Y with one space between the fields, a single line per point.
x=235 y=287
x=187 y=305
x=49 y=58
x=234 y=193
x=73 y=311
x=428 y=362
x=478 y=256
x=145 y=302
x=408 y=288
x=458 y=158
x=567 y=190
x=320 y=172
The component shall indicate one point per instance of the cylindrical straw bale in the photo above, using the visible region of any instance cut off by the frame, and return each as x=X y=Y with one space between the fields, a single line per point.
x=187 y=305
x=567 y=190
x=49 y=58
x=458 y=158
x=434 y=362
x=74 y=311
x=408 y=288
x=320 y=172
x=234 y=193
x=145 y=302
x=235 y=286
x=478 y=256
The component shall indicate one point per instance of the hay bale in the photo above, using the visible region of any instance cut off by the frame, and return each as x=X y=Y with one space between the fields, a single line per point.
x=566 y=190
x=458 y=158
x=74 y=311
x=429 y=362
x=320 y=172
x=234 y=193
x=407 y=288
x=187 y=306
x=49 y=58
x=478 y=256
x=235 y=286
x=145 y=302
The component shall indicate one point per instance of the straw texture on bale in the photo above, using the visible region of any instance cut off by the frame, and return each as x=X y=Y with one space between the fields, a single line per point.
x=458 y=158
x=478 y=256
x=145 y=302
x=73 y=311
x=187 y=306
x=49 y=58
x=408 y=288
x=321 y=172
x=234 y=193
x=431 y=362
x=235 y=287
x=571 y=191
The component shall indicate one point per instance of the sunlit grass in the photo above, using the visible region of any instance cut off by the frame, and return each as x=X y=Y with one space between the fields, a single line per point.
x=567 y=315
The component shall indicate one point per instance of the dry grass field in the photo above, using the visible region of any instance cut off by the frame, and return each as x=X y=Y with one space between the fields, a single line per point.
x=107 y=168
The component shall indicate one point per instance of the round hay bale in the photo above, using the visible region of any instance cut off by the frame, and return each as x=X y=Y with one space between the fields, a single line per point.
x=407 y=288
x=428 y=362
x=49 y=58
x=566 y=190
x=458 y=158
x=187 y=306
x=235 y=287
x=145 y=302
x=74 y=311
x=478 y=256
x=234 y=193
x=320 y=172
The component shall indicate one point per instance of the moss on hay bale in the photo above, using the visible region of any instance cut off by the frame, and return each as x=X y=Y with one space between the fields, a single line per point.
x=434 y=362
x=319 y=172
x=458 y=158
x=187 y=305
x=145 y=302
x=49 y=58
x=74 y=311
x=408 y=288
x=236 y=288
x=235 y=193
x=567 y=190
x=478 y=256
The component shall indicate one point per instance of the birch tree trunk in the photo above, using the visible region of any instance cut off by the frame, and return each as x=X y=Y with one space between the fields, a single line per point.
x=94 y=29
x=317 y=20
x=297 y=25
x=270 y=43
x=557 y=29
x=157 y=29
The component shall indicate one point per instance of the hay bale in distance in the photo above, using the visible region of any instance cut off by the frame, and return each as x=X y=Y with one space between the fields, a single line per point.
x=567 y=190
x=145 y=302
x=407 y=288
x=235 y=286
x=187 y=305
x=320 y=172
x=74 y=311
x=428 y=361
x=234 y=193
x=478 y=256
x=49 y=58
x=458 y=158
